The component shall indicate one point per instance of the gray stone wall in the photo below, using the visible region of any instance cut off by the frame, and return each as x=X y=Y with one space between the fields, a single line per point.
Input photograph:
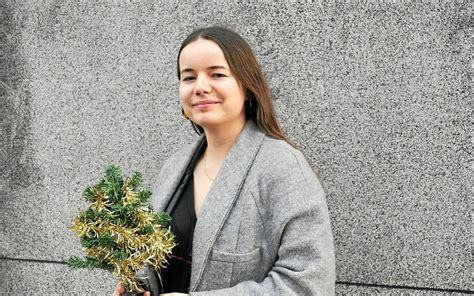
x=375 y=94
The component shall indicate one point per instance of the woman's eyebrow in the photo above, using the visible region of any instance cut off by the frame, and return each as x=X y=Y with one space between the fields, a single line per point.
x=217 y=67
x=186 y=70
x=210 y=68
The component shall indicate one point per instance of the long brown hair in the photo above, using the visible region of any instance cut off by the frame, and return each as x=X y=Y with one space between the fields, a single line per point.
x=244 y=66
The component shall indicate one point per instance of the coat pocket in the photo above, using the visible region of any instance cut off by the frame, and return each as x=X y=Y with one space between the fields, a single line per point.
x=221 y=267
x=236 y=257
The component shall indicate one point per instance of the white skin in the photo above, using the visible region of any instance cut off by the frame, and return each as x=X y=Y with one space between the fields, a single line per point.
x=213 y=98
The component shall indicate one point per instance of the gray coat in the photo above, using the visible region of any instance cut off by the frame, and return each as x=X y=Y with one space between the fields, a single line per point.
x=264 y=227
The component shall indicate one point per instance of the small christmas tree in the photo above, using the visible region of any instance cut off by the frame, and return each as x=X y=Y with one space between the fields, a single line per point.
x=118 y=231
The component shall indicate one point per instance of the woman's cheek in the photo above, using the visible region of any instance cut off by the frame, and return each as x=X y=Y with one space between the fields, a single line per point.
x=185 y=96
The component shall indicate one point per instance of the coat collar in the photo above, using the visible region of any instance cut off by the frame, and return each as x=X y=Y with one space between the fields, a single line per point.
x=171 y=175
x=221 y=196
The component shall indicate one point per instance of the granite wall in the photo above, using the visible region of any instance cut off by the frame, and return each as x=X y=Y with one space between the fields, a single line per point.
x=376 y=95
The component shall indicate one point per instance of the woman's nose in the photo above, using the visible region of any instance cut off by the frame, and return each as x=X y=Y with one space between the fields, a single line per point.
x=202 y=86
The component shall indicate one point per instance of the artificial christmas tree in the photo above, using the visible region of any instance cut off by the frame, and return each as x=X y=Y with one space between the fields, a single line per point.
x=119 y=232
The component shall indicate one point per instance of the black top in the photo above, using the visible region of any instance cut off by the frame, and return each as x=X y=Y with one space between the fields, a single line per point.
x=177 y=275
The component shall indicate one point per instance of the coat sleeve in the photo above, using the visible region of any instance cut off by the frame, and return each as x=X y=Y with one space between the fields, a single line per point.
x=296 y=220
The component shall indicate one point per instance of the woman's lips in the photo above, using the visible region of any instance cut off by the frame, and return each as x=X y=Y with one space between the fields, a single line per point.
x=205 y=104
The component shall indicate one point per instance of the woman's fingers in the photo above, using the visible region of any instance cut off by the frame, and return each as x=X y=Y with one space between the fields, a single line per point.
x=119 y=289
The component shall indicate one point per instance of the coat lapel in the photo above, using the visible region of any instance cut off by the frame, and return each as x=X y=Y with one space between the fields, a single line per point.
x=169 y=181
x=222 y=195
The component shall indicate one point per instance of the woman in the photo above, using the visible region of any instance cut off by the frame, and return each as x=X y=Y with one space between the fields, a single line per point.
x=248 y=211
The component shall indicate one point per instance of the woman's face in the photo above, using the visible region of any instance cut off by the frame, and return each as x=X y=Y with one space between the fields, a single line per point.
x=210 y=95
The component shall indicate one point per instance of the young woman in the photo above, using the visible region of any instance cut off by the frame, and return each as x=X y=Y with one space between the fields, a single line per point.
x=249 y=214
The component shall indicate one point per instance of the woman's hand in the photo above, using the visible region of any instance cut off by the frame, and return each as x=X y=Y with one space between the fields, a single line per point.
x=120 y=289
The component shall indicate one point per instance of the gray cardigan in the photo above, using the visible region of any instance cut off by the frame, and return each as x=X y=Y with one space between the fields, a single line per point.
x=264 y=227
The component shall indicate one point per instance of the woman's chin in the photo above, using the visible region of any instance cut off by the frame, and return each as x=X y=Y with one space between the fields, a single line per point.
x=207 y=121
x=208 y=125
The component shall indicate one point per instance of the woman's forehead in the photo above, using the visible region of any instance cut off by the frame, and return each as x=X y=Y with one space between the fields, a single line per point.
x=202 y=53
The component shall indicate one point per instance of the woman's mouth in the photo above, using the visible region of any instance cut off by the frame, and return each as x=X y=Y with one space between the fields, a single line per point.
x=204 y=104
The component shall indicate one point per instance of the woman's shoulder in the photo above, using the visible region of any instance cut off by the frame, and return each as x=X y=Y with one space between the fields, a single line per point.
x=278 y=160
x=279 y=152
x=282 y=169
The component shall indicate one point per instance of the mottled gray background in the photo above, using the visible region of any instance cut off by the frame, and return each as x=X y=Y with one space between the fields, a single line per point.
x=376 y=95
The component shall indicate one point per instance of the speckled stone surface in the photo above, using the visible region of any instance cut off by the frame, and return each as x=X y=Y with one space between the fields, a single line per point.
x=33 y=278
x=375 y=95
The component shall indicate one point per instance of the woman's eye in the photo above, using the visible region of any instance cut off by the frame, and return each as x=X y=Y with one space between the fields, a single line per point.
x=218 y=75
x=188 y=78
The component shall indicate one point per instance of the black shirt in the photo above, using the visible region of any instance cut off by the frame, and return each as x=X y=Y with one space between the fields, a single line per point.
x=177 y=275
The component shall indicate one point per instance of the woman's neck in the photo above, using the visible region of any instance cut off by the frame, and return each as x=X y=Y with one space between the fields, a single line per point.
x=219 y=142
